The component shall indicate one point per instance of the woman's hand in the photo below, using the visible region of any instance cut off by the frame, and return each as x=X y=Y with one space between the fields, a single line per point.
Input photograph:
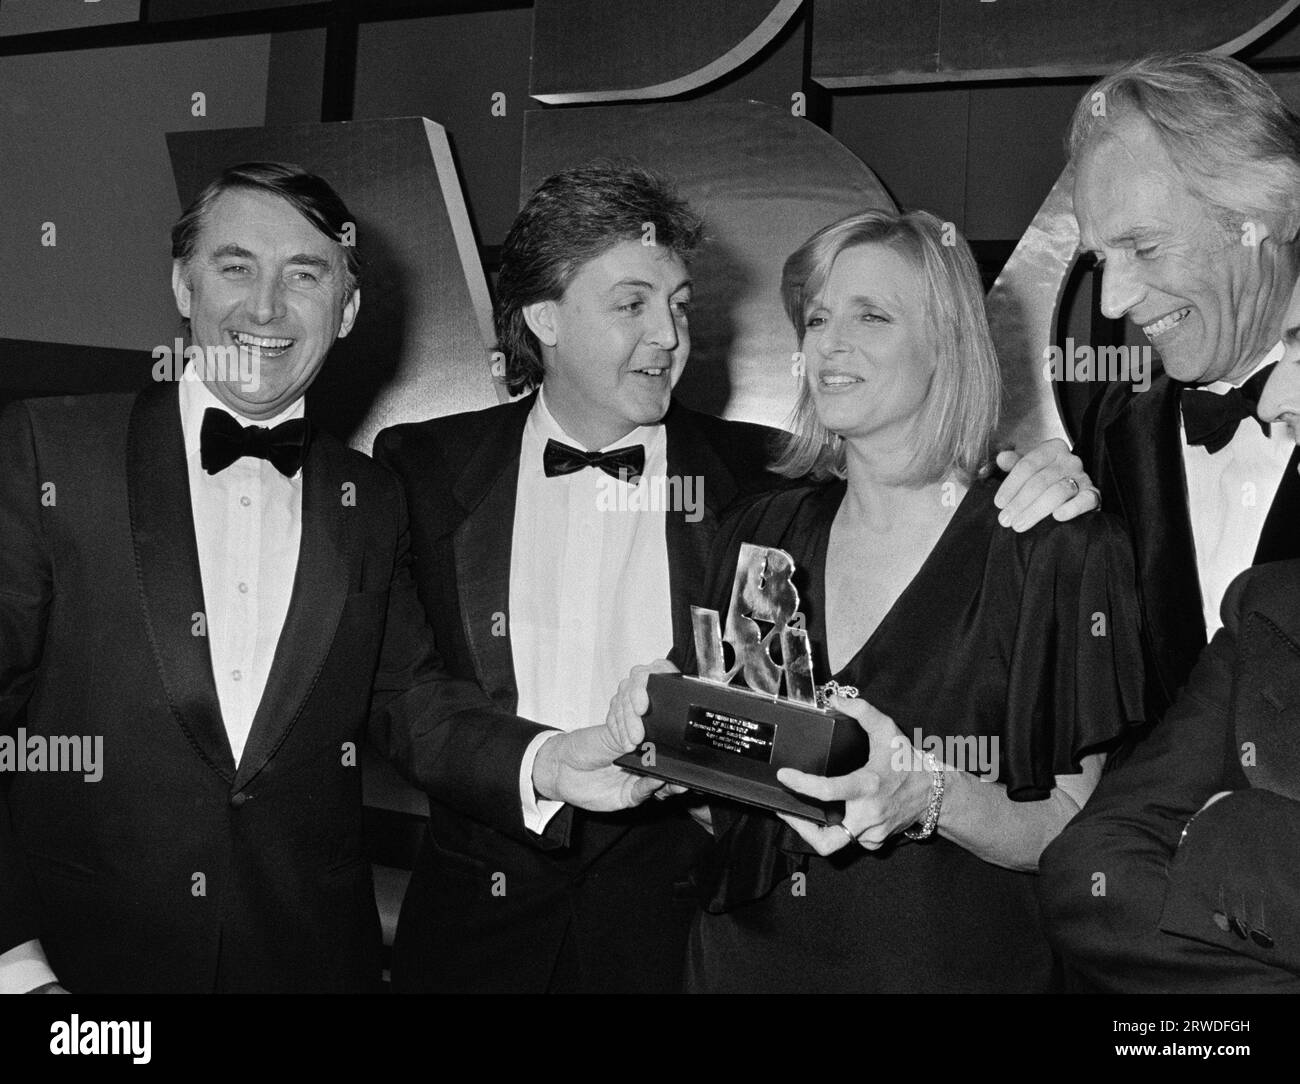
x=889 y=793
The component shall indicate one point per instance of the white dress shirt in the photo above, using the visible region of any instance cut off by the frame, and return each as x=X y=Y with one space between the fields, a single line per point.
x=248 y=525
x=1229 y=495
x=588 y=585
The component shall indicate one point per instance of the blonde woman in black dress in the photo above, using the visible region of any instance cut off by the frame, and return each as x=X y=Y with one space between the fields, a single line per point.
x=994 y=669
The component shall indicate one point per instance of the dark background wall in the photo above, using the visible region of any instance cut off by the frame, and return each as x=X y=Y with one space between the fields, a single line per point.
x=87 y=92
x=84 y=106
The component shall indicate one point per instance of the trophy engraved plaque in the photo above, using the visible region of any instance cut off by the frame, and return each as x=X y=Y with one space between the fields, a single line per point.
x=729 y=740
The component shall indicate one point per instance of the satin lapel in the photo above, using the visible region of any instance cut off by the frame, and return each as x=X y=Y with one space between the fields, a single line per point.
x=710 y=486
x=329 y=546
x=167 y=566
x=1280 y=538
x=1146 y=460
x=482 y=544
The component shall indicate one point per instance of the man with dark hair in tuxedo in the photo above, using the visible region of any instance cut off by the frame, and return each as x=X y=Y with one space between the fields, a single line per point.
x=220 y=599
x=550 y=562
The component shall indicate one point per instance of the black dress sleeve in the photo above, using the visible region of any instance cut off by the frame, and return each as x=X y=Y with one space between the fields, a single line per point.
x=1075 y=678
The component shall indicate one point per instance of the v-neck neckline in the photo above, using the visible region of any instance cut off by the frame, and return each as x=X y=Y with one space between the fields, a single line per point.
x=939 y=556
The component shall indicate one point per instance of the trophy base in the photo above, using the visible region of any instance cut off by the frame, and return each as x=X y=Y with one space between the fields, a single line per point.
x=770 y=796
x=729 y=742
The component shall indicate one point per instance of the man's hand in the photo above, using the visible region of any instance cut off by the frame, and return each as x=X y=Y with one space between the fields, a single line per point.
x=1050 y=478
x=631 y=701
x=578 y=768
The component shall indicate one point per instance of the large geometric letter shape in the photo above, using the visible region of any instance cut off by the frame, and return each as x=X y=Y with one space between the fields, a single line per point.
x=764 y=182
x=857 y=44
x=597 y=51
x=420 y=347
x=1022 y=308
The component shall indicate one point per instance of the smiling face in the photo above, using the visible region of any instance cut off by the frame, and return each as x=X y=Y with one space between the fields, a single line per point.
x=615 y=345
x=868 y=352
x=262 y=278
x=1209 y=298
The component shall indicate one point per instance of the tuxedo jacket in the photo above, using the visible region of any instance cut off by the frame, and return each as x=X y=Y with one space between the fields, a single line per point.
x=1137 y=899
x=616 y=886
x=180 y=871
x=1132 y=447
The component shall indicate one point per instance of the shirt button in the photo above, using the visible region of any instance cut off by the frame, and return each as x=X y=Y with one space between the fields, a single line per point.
x=243 y=588
x=245 y=501
x=235 y=675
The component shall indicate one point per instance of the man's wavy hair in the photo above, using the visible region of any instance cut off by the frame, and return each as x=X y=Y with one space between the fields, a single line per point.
x=573 y=217
x=310 y=195
x=1234 y=142
x=960 y=413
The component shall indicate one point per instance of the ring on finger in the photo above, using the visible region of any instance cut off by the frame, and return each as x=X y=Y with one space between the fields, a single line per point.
x=852 y=838
x=1073 y=482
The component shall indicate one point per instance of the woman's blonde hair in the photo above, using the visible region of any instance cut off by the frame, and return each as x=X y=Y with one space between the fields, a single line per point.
x=960 y=412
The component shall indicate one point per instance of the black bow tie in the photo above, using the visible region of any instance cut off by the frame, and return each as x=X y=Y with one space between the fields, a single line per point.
x=1211 y=420
x=222 y=440
x=625 y=464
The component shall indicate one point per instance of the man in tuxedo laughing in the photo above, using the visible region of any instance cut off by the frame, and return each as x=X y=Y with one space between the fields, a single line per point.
x=224 y=596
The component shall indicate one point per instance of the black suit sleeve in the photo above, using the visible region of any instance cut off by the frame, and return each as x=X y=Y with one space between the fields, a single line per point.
x=1085 y=430
x=1239 y=859
x=1117 y=889
x=25 y=592
x=444 y=733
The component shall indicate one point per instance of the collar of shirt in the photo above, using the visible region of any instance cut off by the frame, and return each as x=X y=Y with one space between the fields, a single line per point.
x=542 y=426
x=1222 y=387
x=196 y=397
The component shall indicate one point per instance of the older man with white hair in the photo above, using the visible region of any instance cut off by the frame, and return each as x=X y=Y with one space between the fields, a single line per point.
x=1187 y=191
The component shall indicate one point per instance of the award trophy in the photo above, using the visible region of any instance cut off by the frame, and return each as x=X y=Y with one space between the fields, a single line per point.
x=709 y=735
